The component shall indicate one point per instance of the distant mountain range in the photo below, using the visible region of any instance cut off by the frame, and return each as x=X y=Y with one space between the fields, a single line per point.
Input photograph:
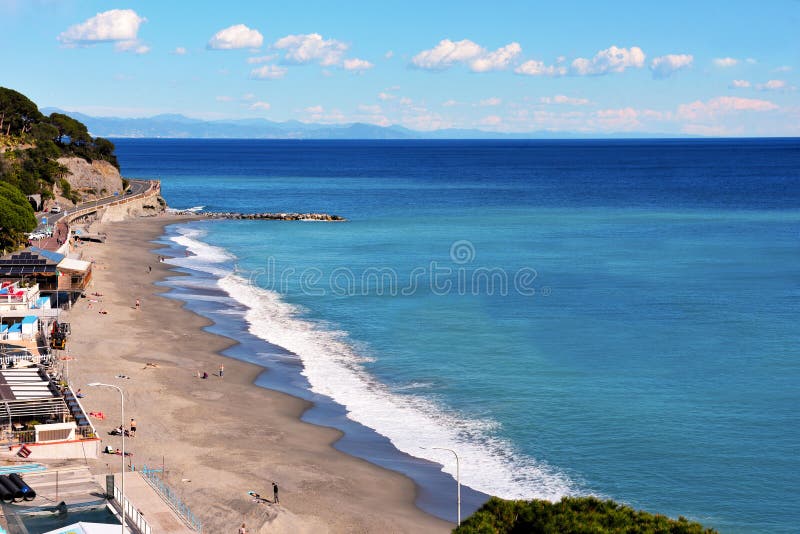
x=180 y=126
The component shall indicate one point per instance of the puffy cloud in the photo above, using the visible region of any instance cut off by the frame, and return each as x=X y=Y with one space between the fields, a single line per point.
x=739 y=84
x=311 y=48
x=493 y=101
x=665 y=66
x=563 y=99
x=268 y=72
x=131 y=46
x=612 y=59
x=448 y=53
x=356 y=64
x=121 y=25
x=262 y=106
x=497 y=60
x=538 y=68
x=179 y=51
x=775 y=85
x=255 y=60
x=235 y=37
x=726 y=62
x=722 y=105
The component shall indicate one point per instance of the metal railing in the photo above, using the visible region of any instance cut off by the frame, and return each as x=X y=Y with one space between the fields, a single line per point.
x=133 y=517
x=172 y=499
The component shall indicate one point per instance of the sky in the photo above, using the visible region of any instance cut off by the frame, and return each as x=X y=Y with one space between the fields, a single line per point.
x=717 y=68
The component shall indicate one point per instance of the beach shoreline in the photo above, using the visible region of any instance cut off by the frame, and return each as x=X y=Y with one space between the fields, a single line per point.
x=213 y=445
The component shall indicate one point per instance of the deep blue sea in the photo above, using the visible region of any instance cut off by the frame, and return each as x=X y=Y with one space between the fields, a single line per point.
x=617 y=318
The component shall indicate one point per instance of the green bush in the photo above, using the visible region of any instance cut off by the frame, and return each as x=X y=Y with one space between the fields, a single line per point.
x=577 y=515
x=16 y=216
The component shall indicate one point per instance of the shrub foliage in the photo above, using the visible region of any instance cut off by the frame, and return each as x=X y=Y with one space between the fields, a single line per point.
x=571 y=515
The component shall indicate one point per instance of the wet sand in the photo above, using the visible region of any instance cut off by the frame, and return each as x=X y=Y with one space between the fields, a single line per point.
x=219 y=437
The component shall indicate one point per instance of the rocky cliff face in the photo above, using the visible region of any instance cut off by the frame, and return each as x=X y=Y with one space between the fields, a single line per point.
x=91 y=180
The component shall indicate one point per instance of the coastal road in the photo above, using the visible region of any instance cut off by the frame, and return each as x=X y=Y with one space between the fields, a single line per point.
x=134 y=188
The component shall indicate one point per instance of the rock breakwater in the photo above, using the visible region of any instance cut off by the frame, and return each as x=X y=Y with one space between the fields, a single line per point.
x=324 y=217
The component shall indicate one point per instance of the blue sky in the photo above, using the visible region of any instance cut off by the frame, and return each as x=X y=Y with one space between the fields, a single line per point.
x=710 y=67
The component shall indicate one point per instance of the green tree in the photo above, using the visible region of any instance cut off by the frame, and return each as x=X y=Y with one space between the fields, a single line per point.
x=571 y=515
x=17 y=112
x=16 y=216
x=69 y=127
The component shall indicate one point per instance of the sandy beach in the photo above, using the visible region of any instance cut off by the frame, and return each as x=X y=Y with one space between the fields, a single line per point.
x=217 y=437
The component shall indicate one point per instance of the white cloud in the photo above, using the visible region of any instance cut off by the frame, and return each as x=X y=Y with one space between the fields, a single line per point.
x=491 y=120
x=739 y=84
x=255 y=60
x=179 y=51
x=248 y=97
x=775 y=85
x=263 y=106
x=236 y=37
x=224 y=98
x=563 y=99
x=493 y=101
x=310 y=48
x=268 y=72
x=405 y=101
x=370 y=108
x=389 y=54
x=616 y=119
x=751 y=61
x=665 y=66
x=448 y=53
x=117 y=25
x=131 y=46
x=783 y=68
x=726 y=62
x=315 y=109
x=612 y=59
x=356 y=64
x=497 y=60
x=722 y=105
x=538 y=68
x=386 y=96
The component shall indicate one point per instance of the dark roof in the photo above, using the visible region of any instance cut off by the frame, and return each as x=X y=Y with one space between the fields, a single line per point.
x=27 y=263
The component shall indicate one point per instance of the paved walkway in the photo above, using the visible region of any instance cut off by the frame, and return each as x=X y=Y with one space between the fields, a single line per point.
x=144 y=498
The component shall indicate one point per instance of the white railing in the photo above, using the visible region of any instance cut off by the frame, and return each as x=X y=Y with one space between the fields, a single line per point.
x=133 y=518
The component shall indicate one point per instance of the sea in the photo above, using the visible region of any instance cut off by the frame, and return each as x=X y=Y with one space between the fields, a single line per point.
x=618 y=318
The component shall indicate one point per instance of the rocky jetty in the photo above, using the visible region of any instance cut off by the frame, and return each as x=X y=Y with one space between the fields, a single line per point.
x=325 y=217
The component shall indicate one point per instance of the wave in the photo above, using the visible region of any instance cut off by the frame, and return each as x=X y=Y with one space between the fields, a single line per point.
x=195 y=209
x=414 y=424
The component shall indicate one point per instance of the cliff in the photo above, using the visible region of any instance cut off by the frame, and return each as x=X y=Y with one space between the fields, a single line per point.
x=90 y=180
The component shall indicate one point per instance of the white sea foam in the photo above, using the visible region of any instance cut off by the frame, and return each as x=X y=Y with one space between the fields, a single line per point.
x=191 y=210
x=333 y=368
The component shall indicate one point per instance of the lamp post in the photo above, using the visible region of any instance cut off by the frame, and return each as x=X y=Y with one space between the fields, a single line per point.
x=122 y=473
x=458 y=479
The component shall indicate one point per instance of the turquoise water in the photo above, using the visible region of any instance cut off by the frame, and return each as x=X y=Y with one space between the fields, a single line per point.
x=578 y=318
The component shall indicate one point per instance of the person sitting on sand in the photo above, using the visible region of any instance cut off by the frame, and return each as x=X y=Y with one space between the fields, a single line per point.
x=205 y=375
x=103 y=312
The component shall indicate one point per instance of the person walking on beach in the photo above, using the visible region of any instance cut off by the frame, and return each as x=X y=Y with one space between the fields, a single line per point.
x=133 y=427
x=275 y=493
x=221 y=370
x=138 y=304
x=243 y=529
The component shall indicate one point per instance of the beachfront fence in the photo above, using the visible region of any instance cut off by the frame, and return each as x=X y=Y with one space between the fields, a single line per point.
x=133 y=517
x=172 y=499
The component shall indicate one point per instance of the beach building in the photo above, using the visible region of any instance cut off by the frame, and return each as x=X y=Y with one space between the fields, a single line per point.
x=55 y=274
x=40 y=418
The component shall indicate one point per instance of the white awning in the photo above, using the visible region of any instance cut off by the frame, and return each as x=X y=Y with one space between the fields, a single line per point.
x=70 y=264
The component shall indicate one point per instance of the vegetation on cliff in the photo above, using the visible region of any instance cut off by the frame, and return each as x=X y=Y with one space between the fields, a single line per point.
x=571 y=515
x=16 y=216
x=30 y=144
